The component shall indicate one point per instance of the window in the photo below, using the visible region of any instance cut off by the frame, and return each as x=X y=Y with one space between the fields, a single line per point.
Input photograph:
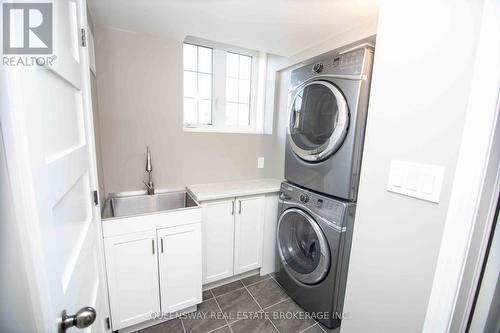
x=220 y=88
x=238 y=86
x=197 y=84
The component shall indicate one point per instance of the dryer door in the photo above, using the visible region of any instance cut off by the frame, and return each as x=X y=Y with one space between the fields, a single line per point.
x=318 y=121
x=302 y=247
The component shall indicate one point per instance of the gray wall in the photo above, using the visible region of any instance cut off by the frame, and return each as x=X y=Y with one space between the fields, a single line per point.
x=139 y=83
x=97 y=136
x=97 y=123
x=419 y=96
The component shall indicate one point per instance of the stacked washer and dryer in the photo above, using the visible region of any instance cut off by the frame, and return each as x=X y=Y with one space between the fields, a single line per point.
x=326 y=126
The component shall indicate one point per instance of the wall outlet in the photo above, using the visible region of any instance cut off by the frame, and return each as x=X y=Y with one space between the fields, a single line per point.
x=260 y=162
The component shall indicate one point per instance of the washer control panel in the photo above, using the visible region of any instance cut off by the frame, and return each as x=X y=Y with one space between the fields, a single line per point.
x=318 y=67
x=330 y=209
x=319 y=203
x=304 y=198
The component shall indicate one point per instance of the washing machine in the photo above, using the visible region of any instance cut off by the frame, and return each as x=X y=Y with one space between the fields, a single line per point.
x=326 y=122
x=314 y=239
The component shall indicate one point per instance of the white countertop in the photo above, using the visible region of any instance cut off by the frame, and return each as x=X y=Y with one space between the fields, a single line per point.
x=204 y=192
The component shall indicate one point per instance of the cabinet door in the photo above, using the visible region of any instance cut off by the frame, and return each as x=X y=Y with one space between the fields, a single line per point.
x=248 y=233
x=132 y=268
x=180 y=267
x=218 y=239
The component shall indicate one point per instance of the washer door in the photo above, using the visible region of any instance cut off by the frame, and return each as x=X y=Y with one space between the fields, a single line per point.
x=302 y=246
x=318 y=121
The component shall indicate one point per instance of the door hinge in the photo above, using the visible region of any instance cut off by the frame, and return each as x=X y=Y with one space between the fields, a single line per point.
x=108 y=323
x=84 y=37
x=95 y=197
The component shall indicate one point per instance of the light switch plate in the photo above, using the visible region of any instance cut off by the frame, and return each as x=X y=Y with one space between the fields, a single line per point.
x=422 y=181
x=260 y=162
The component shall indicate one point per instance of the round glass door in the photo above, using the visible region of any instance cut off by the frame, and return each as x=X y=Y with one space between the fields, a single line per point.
x=318 y=121
x=302 y=246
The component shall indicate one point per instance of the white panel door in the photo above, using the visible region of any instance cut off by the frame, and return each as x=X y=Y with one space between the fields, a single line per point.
x=180 y=267
x=132 y=266
x=248 y=233
x=51 y=158
x=218 y=239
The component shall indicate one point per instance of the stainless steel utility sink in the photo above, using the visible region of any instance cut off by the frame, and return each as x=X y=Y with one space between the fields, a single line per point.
x=144 y=204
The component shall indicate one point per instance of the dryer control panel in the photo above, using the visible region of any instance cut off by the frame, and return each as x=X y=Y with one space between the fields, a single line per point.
x=349 y=63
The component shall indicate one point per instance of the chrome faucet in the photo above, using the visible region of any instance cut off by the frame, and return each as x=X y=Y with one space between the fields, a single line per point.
x=149 y=169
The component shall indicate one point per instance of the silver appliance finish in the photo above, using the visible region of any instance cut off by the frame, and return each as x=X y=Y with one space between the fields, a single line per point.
x=143 y=204
x=326 y=123
x=150 y=186
x=314 y=235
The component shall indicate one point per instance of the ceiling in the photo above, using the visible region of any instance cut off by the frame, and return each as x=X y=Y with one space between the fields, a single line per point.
x=281 y=27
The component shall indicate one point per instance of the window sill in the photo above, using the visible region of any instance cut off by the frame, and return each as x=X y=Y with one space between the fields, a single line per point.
x=203 y=129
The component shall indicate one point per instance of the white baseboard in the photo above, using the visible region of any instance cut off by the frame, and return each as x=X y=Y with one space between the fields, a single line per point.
x=230 y=279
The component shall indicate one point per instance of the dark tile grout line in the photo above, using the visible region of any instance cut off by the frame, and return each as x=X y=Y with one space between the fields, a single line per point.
x=261 y=308
x=251 y=284
x=215 y=329
x=215 y=298
x=182 y=323
x=270 y=306
x=244 y=286
x=317 y=322
x=269 y=276
x=279 y=286
x=321 y=328
x=225 y=319
x=305 y=329
x=225 y=292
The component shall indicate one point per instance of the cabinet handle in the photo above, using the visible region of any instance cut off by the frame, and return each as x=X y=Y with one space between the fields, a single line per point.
x=161 y=243
x=232 y=207
x=239 y=208
x=153 y=243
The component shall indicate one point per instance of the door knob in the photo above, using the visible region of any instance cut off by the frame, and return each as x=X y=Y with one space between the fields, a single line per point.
x=82 y=319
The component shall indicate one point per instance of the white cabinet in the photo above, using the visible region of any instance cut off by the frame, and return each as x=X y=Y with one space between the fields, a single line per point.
x=248 y=224
x=144 y=267
x=232 y=236
x=218 y=239
x=179 y=251
x=132 y=269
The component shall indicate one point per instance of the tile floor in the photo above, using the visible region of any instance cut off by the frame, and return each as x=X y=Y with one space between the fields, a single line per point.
x=254 y=296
